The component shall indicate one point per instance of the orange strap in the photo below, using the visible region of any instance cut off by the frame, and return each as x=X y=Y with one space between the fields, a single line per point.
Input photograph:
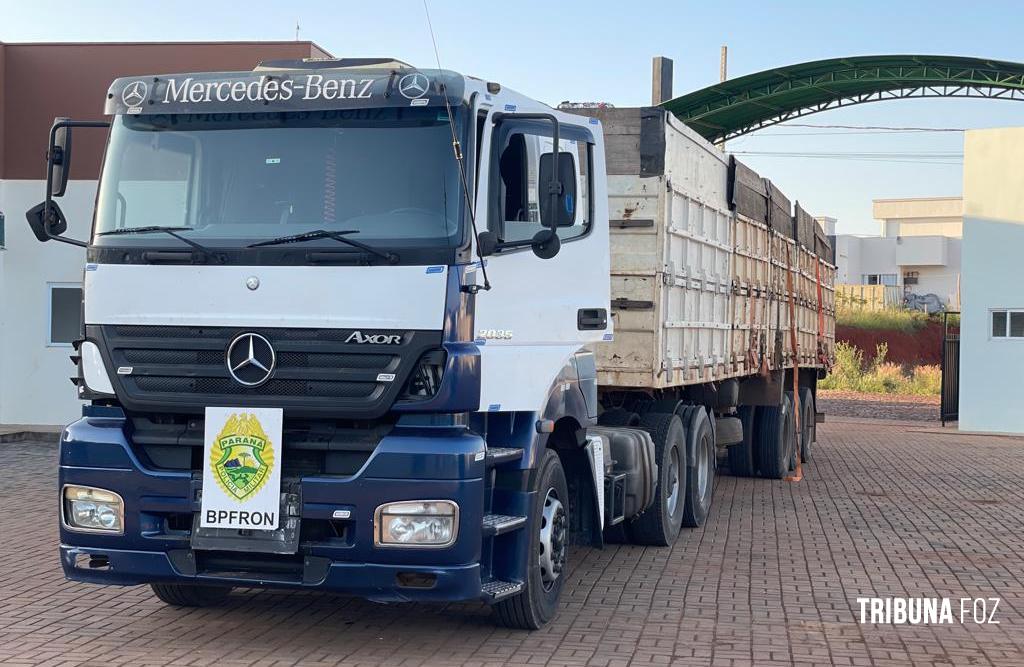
x=798 y=474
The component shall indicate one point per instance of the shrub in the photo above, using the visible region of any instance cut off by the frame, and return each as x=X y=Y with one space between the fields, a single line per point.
x=851 y=373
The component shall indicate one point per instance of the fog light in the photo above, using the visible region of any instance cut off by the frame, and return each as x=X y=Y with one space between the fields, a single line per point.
x=416 y=523
x=88 y=509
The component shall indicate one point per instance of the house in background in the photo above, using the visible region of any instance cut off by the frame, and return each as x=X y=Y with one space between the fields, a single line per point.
x=917 y=252
x=992 y=323
x=41 y=284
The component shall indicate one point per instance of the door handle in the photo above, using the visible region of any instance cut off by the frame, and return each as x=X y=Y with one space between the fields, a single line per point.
x=591 y=318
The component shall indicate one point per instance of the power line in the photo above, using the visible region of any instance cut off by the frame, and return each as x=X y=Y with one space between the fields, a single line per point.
x=877 y=127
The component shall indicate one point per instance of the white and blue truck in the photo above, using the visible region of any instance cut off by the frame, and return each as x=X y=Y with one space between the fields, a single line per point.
x=354 y=326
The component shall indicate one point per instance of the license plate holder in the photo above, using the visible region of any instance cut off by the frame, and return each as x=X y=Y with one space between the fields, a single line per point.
x=283 y=540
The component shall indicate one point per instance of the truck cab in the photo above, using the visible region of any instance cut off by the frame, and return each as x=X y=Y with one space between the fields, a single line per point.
x=380 y=283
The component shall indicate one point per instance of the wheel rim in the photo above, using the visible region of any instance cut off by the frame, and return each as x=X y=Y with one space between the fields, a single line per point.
x=672 y=500
x=703 y=470
x=552 y=547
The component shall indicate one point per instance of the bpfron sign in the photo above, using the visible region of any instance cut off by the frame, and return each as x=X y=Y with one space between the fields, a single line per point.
x=242 y=468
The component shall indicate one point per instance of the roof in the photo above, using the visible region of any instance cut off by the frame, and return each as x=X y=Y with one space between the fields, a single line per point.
x=750 y=102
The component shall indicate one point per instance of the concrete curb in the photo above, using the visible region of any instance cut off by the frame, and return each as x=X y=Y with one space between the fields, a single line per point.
x=41 y=434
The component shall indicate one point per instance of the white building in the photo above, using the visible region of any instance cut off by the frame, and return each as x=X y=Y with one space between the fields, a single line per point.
x=918 y=250
x=992 y=323
x=40 y=283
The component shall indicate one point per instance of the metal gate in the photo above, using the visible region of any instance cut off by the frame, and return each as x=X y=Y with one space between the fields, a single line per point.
x=949 y=408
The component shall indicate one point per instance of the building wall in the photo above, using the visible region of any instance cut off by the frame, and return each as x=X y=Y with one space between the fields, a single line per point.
x=35 y=388
x=991 y=369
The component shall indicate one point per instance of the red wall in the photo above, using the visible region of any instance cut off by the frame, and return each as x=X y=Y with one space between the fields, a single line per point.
x=923 y=346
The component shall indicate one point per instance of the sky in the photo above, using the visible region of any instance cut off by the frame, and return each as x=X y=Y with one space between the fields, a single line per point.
x=601 y=51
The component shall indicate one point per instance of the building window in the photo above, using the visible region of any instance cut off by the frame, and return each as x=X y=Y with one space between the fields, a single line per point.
x=65 y=313
x=1008 y=323
x=879 y=279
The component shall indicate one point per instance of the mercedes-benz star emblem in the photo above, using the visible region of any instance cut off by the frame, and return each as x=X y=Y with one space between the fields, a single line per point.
x=251 y=359
x=134 y=94
x=413 y=86
x=252 y=282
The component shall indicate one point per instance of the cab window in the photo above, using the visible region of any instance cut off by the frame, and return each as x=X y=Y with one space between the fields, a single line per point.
x=521 y=192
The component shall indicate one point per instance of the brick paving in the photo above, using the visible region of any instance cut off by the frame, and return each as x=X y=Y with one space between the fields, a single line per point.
x=885 y=510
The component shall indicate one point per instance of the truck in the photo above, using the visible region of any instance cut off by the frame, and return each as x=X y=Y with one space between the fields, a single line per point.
x=354 y=326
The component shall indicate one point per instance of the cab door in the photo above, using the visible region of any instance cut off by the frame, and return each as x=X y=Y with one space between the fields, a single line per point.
x=540 y=311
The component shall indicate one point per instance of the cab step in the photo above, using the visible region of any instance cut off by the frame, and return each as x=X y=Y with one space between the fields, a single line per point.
x=498 y=455
x=496 y=524
x=495 y=590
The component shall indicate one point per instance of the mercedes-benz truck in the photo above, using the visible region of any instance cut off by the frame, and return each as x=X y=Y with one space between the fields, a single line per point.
x=354 y=326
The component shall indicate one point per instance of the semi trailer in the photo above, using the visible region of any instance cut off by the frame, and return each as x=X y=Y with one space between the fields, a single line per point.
x=355 y=326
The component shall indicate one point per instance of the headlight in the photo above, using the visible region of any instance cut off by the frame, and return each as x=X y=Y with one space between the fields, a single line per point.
x=416 y=523
x=87 y=509
x=93 y=370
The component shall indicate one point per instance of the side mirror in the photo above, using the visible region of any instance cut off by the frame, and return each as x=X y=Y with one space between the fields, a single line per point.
x=546 y=243
x=558 y=211
x=58 y=157
x=46 y=225
x=486 y=243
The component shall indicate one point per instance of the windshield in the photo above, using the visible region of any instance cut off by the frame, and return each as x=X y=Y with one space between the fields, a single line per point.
x=232 y=179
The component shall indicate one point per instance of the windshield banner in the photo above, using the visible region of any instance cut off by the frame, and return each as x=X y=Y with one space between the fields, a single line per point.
x=282 y=90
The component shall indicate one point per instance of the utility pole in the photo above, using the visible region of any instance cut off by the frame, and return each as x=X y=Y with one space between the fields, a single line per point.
x=723 y=74
x=661 y=80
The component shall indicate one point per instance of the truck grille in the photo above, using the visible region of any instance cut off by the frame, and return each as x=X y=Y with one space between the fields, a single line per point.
x=181 y=368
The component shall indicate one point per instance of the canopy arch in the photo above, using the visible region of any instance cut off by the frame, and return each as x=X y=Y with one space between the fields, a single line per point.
x=742 y=105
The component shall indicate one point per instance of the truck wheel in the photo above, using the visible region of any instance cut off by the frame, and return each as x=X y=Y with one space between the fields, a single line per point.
x=700 y=476
x=190 y=595
x=775 y=438
x=532 y=608
x=659 y=524
x=808 y=427
x=742 y=457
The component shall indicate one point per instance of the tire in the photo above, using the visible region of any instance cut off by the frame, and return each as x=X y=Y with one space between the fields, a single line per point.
x=808 y=427
x=743 y=457
x=775 y=438
x=190 y=595
x=618 y=417
x=659 y=524
x=700 y=474
x=537 y=603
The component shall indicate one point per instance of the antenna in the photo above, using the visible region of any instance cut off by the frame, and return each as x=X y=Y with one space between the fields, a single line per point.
x=457 y=151
x=297 y=30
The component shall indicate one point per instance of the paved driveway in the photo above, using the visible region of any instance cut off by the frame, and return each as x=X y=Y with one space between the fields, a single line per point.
x=886 y=510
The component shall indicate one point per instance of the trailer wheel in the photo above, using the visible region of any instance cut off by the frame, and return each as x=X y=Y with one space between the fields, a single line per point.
x=775 y=438
x=659 y=524
x=700 y=474
x=743 y=456
x=190 y=595
x=537 y=603
x=808 y=427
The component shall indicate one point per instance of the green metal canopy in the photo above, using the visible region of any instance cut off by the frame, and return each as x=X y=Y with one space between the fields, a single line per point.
x=738 y=106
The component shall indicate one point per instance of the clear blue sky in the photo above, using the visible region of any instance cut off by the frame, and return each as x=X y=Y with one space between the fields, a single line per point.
x=599 y=50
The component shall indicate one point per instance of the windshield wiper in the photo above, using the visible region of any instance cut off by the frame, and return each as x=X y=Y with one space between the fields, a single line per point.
x=170 y=231
x=339 y=236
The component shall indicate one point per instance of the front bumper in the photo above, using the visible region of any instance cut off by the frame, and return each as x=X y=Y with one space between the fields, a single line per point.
x=373 y=581
x=411 y=463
